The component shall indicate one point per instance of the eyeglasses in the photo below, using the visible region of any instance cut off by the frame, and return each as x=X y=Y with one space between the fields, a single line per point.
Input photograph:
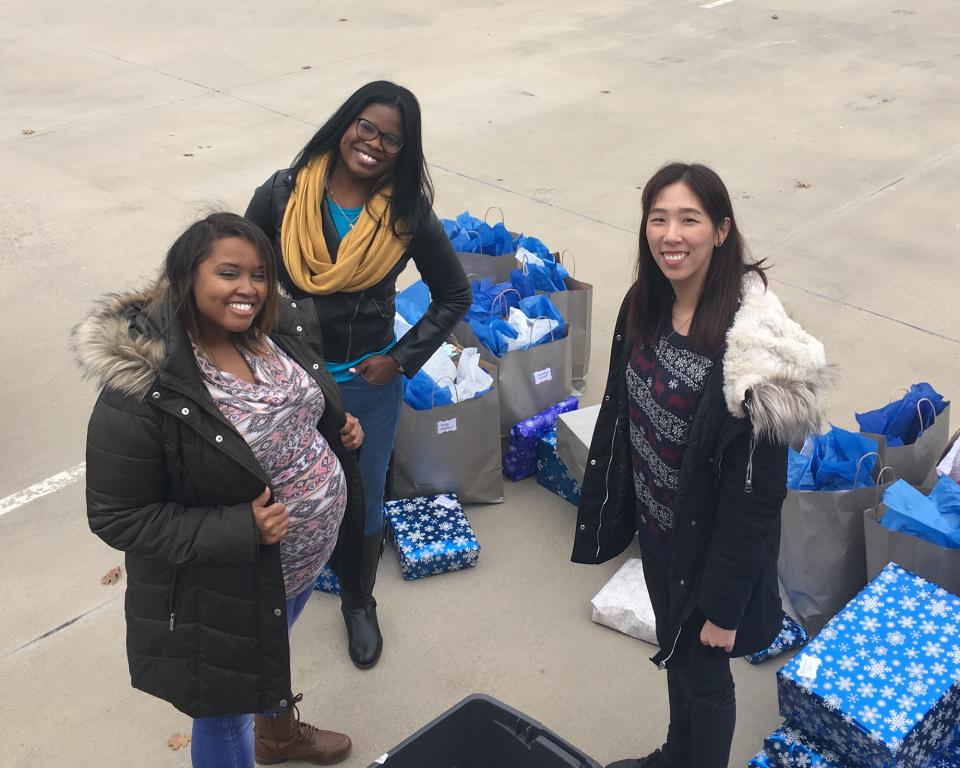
x=390 y=142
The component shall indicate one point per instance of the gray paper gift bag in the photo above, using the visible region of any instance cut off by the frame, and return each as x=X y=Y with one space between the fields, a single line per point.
x=496 y=268
x=822 y=561
x=916 y=463
x=452 y=448
x=924 y=558
x=576 y=306
x=530 y=379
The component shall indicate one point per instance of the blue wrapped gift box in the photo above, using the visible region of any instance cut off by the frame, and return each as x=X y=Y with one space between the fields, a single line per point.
x=520 y=459
x=327 y=582
x=552 y=473
x=791 y=636
x=880 y=684
x=432 y=535
x=789 y=746
x=761 y=760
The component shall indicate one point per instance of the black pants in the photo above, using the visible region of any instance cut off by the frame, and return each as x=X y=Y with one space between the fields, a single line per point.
x=703 y=707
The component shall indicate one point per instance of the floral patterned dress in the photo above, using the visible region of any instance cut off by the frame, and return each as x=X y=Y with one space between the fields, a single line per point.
x=278 y=417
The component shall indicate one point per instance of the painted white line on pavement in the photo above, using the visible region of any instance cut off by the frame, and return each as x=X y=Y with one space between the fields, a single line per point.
x=716 y=3
x=43 y=488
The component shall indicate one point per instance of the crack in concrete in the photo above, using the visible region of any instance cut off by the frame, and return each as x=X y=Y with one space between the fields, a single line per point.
x=56 y=629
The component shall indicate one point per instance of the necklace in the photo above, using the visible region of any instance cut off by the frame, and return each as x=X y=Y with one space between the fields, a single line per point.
x=350 y=222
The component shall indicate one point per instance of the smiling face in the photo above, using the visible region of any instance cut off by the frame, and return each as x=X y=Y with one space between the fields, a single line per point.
x=365 y=159
x=682 y=237
x=230 y=288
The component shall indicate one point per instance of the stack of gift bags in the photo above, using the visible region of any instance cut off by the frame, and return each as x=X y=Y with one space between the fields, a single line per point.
x=848 y=495
x=879 y=686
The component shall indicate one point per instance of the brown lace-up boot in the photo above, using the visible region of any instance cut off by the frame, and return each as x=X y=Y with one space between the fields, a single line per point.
x=283 y=737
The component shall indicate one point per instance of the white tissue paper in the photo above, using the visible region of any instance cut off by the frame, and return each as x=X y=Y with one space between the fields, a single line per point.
x=528 y=330
x=623 y=603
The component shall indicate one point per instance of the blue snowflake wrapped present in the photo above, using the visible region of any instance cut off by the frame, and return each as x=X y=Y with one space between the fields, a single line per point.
x=520 y=460
x=762 y=760
x=789 y=746
x=949 y=756
x=880 y=684
x=432 y=535
x=552 y=473
x=327 y=581
x=791 y=636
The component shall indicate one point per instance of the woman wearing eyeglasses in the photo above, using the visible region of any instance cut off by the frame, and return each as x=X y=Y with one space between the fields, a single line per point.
x=344 y=221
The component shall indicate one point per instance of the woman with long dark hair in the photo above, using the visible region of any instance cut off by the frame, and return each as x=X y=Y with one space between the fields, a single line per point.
x=709 y=381
x=221 y=460
x=344 y=221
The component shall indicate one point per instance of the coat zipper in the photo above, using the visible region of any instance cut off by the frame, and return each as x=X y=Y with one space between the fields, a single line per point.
x=748 y=485
x=356 y=311
x=606 y=482
x=173 y=598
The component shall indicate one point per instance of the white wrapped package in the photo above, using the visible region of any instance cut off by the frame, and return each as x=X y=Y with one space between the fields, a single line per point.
x=574 y=433
x=623 y=603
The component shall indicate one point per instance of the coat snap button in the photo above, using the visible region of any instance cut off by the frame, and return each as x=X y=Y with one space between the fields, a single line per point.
x=299 y=328
x=693 y=522
x=619 y=337
x=683 y=583
x=316 y=366
x=606 y=398
x=293 y=304
x=583 y=526
x=219 y=438
x=283 y=703
x=277 y=612
x=156 y=395
x=593 y=462
x=185 y=411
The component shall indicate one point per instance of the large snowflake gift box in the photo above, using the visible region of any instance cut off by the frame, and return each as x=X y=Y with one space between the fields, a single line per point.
x=552 y=473
x=789 y=746
x=432 y=535
x=880 y=684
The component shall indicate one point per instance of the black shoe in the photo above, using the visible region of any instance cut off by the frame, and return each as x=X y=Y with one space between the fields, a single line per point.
x=656 y=759
x=364 y=641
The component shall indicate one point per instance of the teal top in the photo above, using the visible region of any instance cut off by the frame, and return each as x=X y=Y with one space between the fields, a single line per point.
x=341 y=371
x=343 y=218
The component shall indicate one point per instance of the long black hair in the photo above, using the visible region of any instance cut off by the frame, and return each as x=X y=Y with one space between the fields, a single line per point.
x=651 y=297
x=175 y=284
x=412 y=197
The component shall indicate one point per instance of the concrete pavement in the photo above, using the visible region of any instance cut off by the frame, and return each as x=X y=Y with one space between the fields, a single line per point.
x=122 y=122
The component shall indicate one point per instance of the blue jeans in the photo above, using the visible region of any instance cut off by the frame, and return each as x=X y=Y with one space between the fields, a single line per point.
x=377 y=406
x=227 y=741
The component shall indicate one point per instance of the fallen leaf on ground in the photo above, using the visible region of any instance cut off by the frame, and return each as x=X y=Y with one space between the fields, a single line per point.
x=178 y=741
x=27 y=131
x=803 y=184
x=111 y=577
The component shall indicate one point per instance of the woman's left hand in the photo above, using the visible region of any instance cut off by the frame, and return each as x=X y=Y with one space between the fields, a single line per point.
x=378 y=369
x=351 y=434
x=712 y=636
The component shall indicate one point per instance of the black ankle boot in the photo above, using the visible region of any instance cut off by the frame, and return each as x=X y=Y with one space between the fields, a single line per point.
x=364 y=641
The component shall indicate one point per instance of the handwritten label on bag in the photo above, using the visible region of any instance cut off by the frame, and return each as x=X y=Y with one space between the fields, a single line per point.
x=808 y=667
x=447 y=502
x=450 y=425
x=541 y=376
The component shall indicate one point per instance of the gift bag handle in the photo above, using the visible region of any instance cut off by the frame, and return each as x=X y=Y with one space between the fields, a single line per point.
x=860 y=464
x=433 y=394
x=503 y=219
x=929 y=402
x=503 y=293
x=880 y=475
x=560 y=256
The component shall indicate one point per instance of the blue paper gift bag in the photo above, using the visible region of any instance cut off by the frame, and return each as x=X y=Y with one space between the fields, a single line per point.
x=880 y=684
x=552 y=473
x=791 y=636
x=432 y=535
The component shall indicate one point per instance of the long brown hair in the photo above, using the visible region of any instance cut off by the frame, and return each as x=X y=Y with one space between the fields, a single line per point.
x=175 y=285
x=651 y=297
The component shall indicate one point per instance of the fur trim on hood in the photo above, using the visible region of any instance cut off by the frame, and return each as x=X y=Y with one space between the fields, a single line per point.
x=108 y=352
x=774 y=371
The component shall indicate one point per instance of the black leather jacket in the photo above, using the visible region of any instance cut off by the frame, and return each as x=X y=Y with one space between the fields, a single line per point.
x=356 y=324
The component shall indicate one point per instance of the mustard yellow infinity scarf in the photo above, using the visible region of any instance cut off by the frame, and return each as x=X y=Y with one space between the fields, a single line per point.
x=367 y=253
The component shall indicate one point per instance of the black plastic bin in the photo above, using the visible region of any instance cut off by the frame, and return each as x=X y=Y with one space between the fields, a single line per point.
x=481 y=732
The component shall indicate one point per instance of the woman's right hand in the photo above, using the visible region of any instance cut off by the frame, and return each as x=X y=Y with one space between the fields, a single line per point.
x=272 y=519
